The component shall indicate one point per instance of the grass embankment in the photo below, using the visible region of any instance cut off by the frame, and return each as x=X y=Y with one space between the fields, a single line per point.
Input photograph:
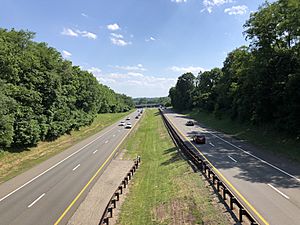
x=165 y=190
x=263 y=137
x=14 y=162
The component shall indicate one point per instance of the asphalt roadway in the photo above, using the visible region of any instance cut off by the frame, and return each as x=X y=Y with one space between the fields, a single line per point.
x=50 y=192
x=268 y=186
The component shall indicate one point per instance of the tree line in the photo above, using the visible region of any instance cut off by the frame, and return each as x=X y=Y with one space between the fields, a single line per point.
x=259 y=83
x=43 y=96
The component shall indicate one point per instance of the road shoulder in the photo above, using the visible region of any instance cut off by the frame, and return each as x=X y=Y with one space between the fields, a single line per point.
x=92 y=208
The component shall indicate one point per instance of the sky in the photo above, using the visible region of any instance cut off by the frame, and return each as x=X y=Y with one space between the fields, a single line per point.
x=136 y=47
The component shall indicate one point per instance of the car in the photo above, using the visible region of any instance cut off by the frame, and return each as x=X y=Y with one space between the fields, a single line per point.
x=128 y=126
x=128 y=118
x=190 y=123
x=122 y=123
x=137 y=117
x=199 y=138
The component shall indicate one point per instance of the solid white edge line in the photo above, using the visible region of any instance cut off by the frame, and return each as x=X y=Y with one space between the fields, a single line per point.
x=232 y=158
x=35 y=201
x=95 y=151
x=263 y=161
x=211 y=144
x=41 y=174
x=76 y=167
x=284 y=195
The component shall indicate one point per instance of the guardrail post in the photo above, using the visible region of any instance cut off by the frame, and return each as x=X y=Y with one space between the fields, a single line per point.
x=106 y=220
x=218 y=185
x=241 y=213
x=110 y=210
x=224 y=192
x=114 y=202
x=124 y=183
x=232 y=200
x=117 y=195
x=121 y=189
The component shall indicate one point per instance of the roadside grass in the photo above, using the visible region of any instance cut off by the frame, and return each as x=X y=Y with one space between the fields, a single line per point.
x=165 y=190
x=15 y=162
x=263 y=137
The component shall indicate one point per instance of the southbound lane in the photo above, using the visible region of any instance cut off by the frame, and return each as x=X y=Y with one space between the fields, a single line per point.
x=48 y=194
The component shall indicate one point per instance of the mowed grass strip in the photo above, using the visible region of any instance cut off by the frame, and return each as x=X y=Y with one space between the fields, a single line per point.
x=14 y=162
x=263 y=137
x=165 y=190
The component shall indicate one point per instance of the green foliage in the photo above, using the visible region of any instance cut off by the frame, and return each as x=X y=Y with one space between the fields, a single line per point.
x=258 y=84
x=44 y=96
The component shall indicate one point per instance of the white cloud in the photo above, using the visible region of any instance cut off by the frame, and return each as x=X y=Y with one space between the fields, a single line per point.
x=66 y=54
x=84 y=15
x=150 y=39
x=179 y=1
x=96 y=71
x=210 y=4
x=113 y=27
x=76 y=33
x=236 y=10
x=135 y=84
x=119 y=42
x=88 y=35
x=138 y=67
x=192 y=69
x=69 y=32
x=117 y=35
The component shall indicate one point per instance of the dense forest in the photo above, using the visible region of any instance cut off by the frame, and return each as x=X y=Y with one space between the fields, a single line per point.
x=43 y=96
x=259 y=83
x=158 y=100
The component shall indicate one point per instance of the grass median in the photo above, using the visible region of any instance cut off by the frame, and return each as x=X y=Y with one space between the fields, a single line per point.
x=263 y=137
x=14 y=161
x=165 y=190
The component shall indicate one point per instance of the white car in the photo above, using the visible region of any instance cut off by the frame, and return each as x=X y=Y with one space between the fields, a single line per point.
x=128 y=118
x=128 y=126
x=122 y=123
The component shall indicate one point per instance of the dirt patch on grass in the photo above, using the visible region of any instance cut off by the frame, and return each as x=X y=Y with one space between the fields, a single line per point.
x=176 y=212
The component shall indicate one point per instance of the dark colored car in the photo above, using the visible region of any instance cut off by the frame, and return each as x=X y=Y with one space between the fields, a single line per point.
x=137 y=117
x=190 y=123
x=199 y=138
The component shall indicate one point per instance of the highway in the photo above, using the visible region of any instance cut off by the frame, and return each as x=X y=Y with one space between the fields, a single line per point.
x=50 y=192
x=268 y=186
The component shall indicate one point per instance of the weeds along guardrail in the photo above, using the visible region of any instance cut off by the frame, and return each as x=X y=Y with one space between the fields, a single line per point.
x=112 y=204
x=223 y=190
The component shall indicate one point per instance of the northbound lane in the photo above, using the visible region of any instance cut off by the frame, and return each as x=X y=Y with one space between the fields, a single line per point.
x=270 y=191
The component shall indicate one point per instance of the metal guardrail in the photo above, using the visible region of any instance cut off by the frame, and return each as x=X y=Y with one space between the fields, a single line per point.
x=112 y=204
x=209 y=173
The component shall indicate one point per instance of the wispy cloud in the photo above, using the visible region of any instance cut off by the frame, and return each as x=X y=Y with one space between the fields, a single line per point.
x=119 y=42
x=84 y=15
x=113 y=27
x=210 y=4
x=76 y=33
x=192 y=69
x=116 y=35
x=236 y=10
x=118 y=39
x=69 y=32
x=66 y=54
x=150 y=39
x=138 y=67
x=179 y=1
x=87 y=34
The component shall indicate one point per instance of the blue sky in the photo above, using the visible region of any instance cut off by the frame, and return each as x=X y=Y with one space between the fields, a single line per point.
x=136 y=47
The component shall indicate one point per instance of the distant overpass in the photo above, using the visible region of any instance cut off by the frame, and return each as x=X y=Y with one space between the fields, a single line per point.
x=149 y=105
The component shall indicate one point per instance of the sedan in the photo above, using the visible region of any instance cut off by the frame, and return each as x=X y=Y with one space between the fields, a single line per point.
x=199 y=138
x=128 y=126
x=190 y=123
